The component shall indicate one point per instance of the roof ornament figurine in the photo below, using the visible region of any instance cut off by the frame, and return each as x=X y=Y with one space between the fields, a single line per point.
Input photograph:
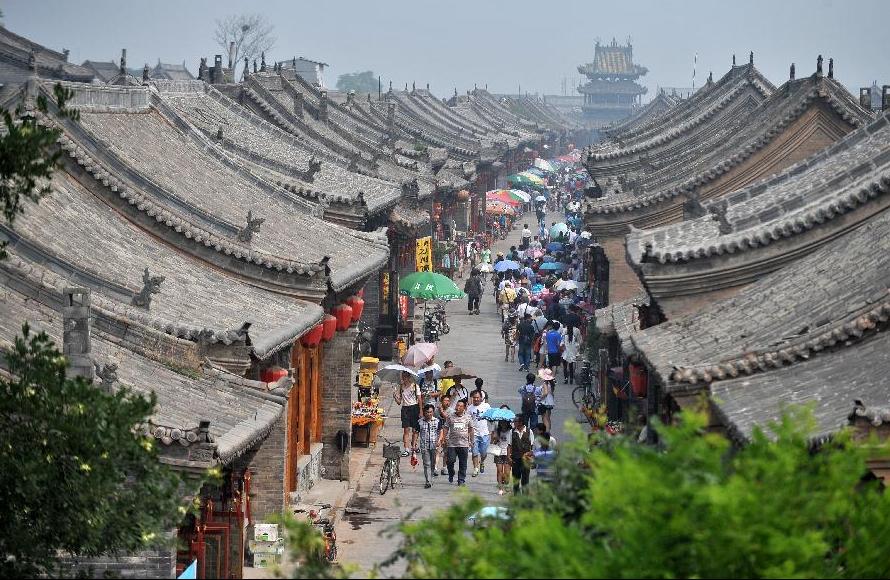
x=733 y=60
x=245 y=234
x=254 y=66
x=710 y=77
x=819 y=66
x=246 y=68
x=219 y=133
x=751 y=58
x=692 y=207
x=314 y=167
x=324 y=203
x=831 y=68
x=150 y=285
x=107 y=373
x=145 y=73
x=791 y=73
x=877 y=416
x=718 y=210
x=32 y=60
x=263 y=61
x=294 y=62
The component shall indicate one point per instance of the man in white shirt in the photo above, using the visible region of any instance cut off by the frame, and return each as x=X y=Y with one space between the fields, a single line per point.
x=481 y=435
x=526 y=236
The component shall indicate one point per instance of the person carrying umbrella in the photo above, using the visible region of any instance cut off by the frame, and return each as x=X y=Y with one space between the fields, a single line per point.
x=499 y=446
x=473 y=288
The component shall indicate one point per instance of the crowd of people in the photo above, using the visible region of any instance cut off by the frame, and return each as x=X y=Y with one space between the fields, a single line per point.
x=542 y=323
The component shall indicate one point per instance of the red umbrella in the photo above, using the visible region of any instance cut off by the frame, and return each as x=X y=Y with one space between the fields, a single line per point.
x=502 y=196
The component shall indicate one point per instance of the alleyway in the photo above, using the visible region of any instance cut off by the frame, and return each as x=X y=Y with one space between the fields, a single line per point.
x=474 y=343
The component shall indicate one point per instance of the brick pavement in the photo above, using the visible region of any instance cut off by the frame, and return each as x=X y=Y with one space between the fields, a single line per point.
x=475 y=343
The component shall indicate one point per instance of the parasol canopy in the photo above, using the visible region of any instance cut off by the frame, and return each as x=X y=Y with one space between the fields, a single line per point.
x=429 y=286
x=535 y=253
x=540 y=198
x=544 y=165
x=498 y=208
x=393 y=373
x=519 y=194
x=558 y=230
x=555 y=247
x=485 y=267
x=499 y=415
x=503 y=196
x=554 y=266
x=420 y=354
x=433 y=368
x=457 y=372
x=505 y=265
x=566 y=285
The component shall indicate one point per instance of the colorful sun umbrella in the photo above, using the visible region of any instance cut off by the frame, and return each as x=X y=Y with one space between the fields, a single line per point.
x=505 y=265
x=498 y=208
x=544 y=165
x=429 y=286
x=566 y=285
x=504 y=196
x=499 y=415
x=558 y=230
x=519 y=194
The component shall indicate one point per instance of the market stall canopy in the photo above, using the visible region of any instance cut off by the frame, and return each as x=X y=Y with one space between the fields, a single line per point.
x=544 y=165
x=499 y=208
x=524 y=179
x=521 y=195
x=429 y=286
x=503 y=196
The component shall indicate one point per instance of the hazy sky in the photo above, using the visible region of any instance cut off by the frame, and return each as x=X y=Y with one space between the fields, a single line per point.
x=456 y=43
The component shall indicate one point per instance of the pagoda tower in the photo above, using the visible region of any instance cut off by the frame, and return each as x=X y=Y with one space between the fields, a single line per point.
x=612 y=91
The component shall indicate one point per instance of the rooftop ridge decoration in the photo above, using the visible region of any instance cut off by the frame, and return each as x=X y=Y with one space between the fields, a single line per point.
x=842 y=333
x=744 y=236
x=841 y=107
x=252 y=227
x=150 y=285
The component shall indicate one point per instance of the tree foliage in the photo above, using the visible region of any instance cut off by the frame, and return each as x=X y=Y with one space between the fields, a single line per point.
x=76 y=472
x=360 y=82
x=251 y=33
x=691 y=508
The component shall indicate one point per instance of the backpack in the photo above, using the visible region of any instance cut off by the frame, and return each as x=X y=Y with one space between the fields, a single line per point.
x=529 y=406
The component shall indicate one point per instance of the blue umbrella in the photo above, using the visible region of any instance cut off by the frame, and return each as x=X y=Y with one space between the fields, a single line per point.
x=554 y=247
x=558 y=230
x=552 y=266
x=499 y=415
x=505 y=265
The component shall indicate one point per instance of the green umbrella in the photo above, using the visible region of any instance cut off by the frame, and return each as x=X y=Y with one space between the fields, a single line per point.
x=429 y=286
x=559 y=230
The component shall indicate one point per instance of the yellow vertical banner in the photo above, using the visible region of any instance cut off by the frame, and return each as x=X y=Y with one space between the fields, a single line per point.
x=424 y=257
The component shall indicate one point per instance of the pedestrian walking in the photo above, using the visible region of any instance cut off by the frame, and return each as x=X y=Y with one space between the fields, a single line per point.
x=473 y=289
x=478 y=383
x=526 y=236
x=553 y=340
x=571 y=346
x=442 y=415
x=530 y=397
x=499 y=447
x=481 y=437
x=459 y=435
x=520 y=453
x=407 y=394
x=538 y=432
x=544 y=457
x=547 y=402
x=510 y=331
x=525 y=337
x=458 y=393
x=431 y=438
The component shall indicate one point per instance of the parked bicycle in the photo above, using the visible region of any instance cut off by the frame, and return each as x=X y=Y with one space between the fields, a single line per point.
x=361 y=344
x=585 y=395
x=389 y=474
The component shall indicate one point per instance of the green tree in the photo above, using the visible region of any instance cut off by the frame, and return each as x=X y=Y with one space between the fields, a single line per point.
x=360 y=82
x=76 y=472
x=690 y=508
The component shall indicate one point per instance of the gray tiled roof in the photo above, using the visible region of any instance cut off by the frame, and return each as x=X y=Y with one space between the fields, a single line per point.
x=15 y=53
x=213 y=190
x=829 y=383
x=74 y=233
x=850 y=173
x=653 y=109
x=621 y=318
x=238 y=416
x=827 y=300
x=726 y=141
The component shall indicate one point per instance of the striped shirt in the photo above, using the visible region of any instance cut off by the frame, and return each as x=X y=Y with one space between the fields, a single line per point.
x=429 y=433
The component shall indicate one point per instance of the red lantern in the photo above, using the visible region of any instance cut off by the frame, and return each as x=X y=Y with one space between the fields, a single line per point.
x=639 y=380
x=272 y=374
x=343 y=313
x=313 y=337
x=330 y=327
x=358 y=305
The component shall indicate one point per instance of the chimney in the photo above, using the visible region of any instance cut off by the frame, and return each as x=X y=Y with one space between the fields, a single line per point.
x=216 y=75
x=865 y=98
x=298 y=105
x=231 y=54
x=885 y=98
x=323 y=107
x=77 y=320
x=123 y=70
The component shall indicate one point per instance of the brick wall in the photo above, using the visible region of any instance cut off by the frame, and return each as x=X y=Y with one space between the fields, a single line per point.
x=623 y=281
x=266 y=462
x=157 y=563
x=336 y=404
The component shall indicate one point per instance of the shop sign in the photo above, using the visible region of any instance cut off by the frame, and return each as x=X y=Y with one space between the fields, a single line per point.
x=424 y=255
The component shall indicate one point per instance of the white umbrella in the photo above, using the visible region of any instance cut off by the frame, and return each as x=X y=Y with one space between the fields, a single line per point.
x=566 y=285
x=435 y=368
x=518 y=192
x=393 y=373
x=486 y=267
x=540 y=198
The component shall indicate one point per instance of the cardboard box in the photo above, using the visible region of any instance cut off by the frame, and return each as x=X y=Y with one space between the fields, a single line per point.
x=265 y=532
x=260 y=547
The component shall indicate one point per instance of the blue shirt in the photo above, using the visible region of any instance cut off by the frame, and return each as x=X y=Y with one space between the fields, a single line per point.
x=554 y=338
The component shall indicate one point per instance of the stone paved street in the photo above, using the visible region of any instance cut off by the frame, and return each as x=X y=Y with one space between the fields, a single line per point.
x=475 y=343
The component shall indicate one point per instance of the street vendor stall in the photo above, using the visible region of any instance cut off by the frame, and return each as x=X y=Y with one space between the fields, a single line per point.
x=368 y=418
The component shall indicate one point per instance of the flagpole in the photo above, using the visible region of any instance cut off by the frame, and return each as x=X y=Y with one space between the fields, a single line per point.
x=694 y=65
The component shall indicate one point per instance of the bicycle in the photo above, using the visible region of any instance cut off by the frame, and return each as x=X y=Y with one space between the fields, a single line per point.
x=389 y=474
x=585 y=395
x=361 y=344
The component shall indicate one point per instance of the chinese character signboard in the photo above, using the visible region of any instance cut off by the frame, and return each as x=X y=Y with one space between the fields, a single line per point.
x=384 y=293
x=424 y=257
